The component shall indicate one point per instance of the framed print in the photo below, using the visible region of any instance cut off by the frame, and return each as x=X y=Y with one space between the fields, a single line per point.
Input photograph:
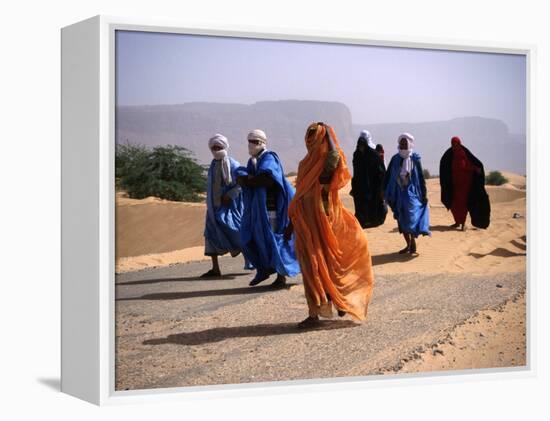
x=247 y=208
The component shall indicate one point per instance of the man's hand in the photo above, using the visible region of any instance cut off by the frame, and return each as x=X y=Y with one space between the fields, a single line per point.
x=241 y=180
x=325 y=178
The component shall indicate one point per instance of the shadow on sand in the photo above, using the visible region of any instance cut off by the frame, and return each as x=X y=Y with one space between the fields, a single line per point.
x=498 y=252
x=222 y=333
x=442 y=228
x=226 y=277
x=208 y=293
x=436 y=228
x=382 y=259
x=519 y=245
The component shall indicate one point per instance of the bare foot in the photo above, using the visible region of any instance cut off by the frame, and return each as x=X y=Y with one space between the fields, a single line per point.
x=412 y=249
x=405 y=250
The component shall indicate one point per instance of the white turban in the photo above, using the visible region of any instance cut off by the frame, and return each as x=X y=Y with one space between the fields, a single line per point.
x=221 y=140
x=408 y=136
x=407 y=165
x=258 y=134
x=365 y=134
x=218 y=140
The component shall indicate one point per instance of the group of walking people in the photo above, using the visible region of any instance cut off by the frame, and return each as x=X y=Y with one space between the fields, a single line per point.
x=283 y=230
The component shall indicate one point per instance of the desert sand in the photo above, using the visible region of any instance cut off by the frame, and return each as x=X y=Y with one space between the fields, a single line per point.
x=491 y=339
x=154 y=236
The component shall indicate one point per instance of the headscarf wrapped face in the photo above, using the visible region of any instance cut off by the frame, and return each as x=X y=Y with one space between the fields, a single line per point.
x=311 y=167
x=406 y=166
x=259 y=139
x=367 y=138
x=456 y=142
x=221 y=155
x=315 y=138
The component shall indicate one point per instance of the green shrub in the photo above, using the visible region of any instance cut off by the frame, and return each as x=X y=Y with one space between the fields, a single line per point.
x=495 y=178
x=168 y=172
x=128 y=156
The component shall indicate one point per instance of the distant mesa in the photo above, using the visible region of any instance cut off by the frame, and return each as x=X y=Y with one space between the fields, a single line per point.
x=192 y=124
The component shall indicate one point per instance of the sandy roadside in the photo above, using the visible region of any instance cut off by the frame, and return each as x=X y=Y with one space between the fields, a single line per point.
x=493 y=338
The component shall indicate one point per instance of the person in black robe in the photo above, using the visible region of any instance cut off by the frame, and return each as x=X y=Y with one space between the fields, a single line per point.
x=476 y=198
x=367 y=183
x=380 y=149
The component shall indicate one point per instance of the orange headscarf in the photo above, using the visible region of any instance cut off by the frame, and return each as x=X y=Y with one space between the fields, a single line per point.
x=311 y=167
x=331 y=245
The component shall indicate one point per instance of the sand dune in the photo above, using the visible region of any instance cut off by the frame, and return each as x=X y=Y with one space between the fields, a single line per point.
x=153 y=232
x=518 y=181
x=153 y=226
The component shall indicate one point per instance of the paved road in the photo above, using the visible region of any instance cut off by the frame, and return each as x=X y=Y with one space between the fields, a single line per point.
x=183 y=281
x=175 y=329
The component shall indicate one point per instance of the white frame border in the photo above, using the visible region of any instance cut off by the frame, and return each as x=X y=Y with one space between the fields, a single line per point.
x=107 y=392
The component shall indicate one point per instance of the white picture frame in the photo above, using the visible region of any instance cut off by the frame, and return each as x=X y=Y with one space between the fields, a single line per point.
x=88 y=235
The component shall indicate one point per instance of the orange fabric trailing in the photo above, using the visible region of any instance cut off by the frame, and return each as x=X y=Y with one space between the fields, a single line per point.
x=330 y=245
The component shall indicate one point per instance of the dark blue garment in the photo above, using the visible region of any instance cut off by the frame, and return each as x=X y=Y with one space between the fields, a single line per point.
x=222 y=228
x=264 y=248
x=408 y=203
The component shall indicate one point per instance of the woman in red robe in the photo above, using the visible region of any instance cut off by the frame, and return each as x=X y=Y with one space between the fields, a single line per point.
x=463 y=186
x=463 y=171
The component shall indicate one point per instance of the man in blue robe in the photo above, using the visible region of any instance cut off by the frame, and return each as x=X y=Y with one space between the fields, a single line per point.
x=405 y=192
x=267 y=194
x=224 y=206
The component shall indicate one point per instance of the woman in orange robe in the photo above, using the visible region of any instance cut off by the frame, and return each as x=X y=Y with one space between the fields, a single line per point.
x=330 y=244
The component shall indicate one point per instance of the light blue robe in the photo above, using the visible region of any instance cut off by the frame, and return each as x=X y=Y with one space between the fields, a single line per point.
x=412 y=215
x=222 y=228
x=264 y=248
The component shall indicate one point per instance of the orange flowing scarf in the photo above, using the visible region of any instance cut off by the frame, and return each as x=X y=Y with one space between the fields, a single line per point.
x=330 y=245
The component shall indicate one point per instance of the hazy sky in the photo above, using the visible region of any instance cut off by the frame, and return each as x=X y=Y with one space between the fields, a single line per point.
x=378 y=84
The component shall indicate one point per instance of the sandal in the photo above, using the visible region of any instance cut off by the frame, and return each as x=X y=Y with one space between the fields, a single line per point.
x=260 y=277
x=405 y=250
x=309 y=323
x=211 y=274
x=280 y=282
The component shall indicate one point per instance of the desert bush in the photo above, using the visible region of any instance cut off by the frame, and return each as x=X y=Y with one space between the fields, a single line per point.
x=128 y=155
x=426 y=174
x=495 y=178
x=168 y=172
